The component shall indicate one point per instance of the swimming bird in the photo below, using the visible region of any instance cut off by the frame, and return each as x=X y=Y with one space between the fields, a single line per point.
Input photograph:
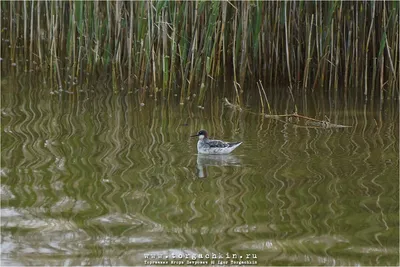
x=207 y=146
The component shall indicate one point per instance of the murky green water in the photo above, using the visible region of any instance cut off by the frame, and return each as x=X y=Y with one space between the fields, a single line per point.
x=97 y=179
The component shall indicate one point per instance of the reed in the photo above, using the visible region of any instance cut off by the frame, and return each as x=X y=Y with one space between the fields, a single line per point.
x=349 y=47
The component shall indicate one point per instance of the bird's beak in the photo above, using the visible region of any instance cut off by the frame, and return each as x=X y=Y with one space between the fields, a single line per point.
x=194 y=135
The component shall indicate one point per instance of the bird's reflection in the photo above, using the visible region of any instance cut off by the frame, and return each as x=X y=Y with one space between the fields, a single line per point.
x=204 y=160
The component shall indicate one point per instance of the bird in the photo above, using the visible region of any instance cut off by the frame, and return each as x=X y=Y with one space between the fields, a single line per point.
x=207 y=146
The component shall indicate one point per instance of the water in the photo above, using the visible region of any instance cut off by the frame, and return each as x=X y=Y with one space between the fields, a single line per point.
x=96 y=179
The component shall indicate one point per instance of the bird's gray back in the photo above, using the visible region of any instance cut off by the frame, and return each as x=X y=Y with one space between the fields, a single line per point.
x=217 y=143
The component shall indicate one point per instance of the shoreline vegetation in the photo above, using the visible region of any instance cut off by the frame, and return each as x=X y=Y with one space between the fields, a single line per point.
x=188 y=46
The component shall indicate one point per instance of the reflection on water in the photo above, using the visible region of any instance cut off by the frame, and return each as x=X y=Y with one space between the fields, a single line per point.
x=204 y=160
x=108 y=181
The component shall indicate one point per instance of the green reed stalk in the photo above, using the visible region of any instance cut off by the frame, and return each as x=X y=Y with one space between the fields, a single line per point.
x=184 y=44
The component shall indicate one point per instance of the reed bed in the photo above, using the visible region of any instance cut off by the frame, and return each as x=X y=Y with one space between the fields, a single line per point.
x=183 y=46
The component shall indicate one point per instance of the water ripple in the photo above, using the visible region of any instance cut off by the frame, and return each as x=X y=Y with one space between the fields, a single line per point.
x=84 y=181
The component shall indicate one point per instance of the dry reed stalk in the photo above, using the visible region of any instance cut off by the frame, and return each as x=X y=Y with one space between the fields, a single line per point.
x=184 y=53
x=129 y=44
x=118 y=31
x=261 y=99
x=97 y=34
x=173 y=49
x=395 y=45
x=366 y=52
x=308 y=59
x=25 y=34
x=355 y=58
x=39 y=35
x=331 y=54
x=194 y=47
x=165 y=56
x=88 y=43
x=389 y=55
x=201 y=40
x=48 y=19
x=183 y=82
x=276 y=43
x=382 y=84
x=54 y=50
x=287 y=45
x=31 y=35
x=374 y=57
x=72 y=40
x=243 y=59
x=17 y=28
x=222 y=38
x=11 y=29
x=234 y=48
x=297 y=56
x=316 y=78
x=347 y=57
x=338 y=48
x=151 y=51
x=317 y=38
x=265 y=96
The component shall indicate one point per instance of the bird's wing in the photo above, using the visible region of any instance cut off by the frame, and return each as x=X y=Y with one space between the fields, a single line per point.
x=217 y=143
x=234 y=144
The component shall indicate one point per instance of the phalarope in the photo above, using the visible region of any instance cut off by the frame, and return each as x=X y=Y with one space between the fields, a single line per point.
x=207 y=146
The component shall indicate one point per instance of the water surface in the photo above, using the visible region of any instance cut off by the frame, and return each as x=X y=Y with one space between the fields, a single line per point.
x=96 y=179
